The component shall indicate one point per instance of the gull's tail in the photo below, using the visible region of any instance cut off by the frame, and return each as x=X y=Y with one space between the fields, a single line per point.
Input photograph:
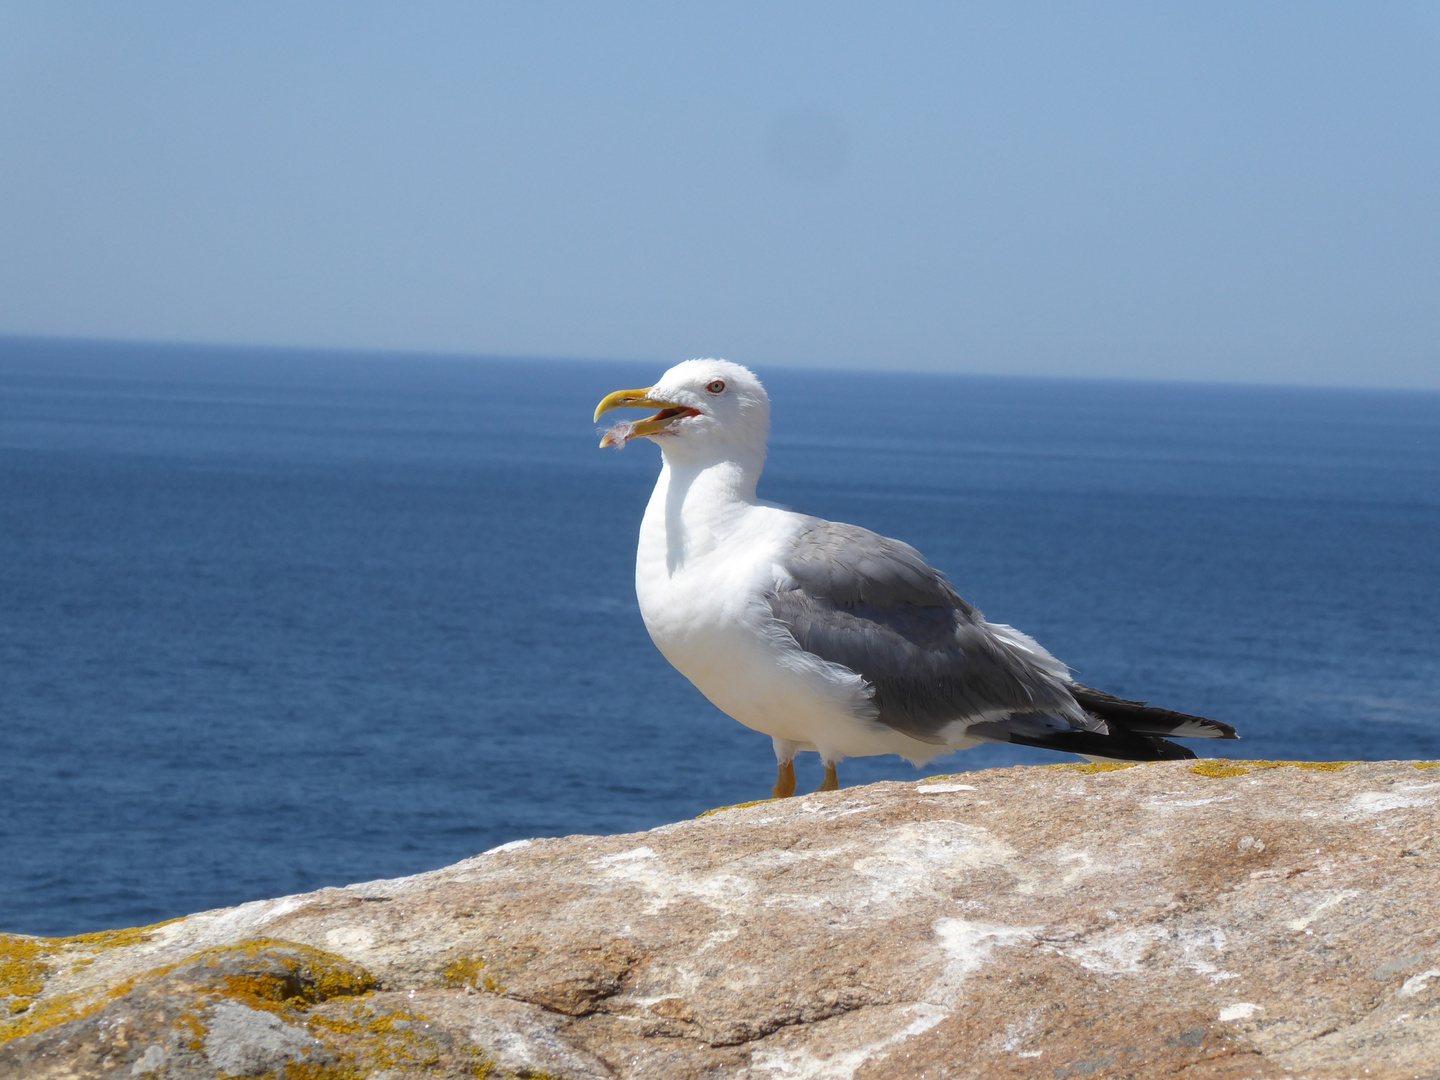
x=1134 y=734
x=1137 y=718
x=1099 y=747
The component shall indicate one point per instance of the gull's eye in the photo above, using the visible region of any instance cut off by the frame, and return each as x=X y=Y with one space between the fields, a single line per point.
x=716 y=387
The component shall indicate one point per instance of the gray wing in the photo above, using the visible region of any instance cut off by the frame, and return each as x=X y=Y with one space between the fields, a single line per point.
x=873 y=605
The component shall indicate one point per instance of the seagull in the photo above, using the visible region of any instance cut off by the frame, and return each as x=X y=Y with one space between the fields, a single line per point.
x=827 y=637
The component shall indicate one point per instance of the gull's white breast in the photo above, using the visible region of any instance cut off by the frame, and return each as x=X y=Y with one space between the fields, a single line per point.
x=701 y=578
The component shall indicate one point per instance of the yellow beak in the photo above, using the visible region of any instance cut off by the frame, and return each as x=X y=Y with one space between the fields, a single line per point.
x=640 y=399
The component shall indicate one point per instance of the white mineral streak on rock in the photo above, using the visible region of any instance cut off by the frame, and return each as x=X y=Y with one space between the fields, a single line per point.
x=1119 y=953
x=1337 y=897
x=513 y=845
x=942 y=789
x=1241 y=1010
x=826 y=811
x=1015 y=1035
x=1416 y=983
x=525 y=1040
x=634 y=855
x=1194 y=943
x=232 y=924
x=1081 y=866
x=345 y=939
x=664 y=885
x=967 y=946
x=917 y=859
x=1401 y=797
x=1186 y=804
x=803 y=1064
x=1131 y=951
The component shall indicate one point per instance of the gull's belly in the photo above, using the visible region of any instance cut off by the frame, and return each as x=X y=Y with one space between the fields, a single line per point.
x=745 y=682
x=702 y=583
x=709 y=621
x=715 y=632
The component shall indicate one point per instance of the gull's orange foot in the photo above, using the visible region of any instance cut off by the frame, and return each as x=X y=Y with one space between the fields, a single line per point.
x=832 y=779
x=784 y=781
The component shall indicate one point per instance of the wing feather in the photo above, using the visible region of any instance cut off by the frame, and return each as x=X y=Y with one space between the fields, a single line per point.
x=873 y=605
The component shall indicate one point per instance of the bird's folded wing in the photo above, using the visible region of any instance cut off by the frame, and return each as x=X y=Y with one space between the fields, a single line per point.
x=874 y=606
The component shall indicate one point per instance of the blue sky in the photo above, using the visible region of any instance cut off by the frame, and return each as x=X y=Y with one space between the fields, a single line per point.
x=1205 y=191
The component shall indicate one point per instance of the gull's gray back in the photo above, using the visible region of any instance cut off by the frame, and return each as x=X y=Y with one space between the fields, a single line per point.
x=873 y=605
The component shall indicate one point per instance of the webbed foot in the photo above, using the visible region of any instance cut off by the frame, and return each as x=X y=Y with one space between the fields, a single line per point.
x=784 y=781
x=832 y=779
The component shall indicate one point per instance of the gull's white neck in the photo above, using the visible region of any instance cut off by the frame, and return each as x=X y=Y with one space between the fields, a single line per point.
x=698 y=503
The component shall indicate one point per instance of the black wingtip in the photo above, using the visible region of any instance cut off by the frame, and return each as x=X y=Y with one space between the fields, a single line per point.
x=1113 y=747
x=1138 y=718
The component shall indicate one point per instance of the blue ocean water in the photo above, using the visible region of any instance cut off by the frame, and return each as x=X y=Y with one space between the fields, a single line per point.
x=276 y=620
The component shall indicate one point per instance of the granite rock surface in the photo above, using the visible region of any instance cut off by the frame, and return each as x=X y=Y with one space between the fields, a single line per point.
x=1210 y=920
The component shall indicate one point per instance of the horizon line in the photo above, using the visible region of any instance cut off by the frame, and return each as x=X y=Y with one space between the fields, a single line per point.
x=449 y=355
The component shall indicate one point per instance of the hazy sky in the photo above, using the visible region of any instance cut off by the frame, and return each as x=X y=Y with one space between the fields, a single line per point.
x=1232 y=191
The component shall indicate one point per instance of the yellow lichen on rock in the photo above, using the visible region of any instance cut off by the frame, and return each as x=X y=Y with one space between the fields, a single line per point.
x=282 y=977
x=368 y=1040
x=1223 y=767
x=737 y=806
x=104 y=940
x=27 y=962
x=306 y=975
x=57 y=1010
x=62 y=1008
x=464 y=971
x=1089 y=767
x=22 y=969
x=469 y=971
x=324 y=994
x=1218 y=767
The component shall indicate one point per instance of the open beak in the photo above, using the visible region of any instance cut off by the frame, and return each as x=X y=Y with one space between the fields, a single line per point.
x=641 y=399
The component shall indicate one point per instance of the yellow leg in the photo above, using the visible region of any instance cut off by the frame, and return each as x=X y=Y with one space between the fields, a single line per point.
x=784 y=781
x=832 y=780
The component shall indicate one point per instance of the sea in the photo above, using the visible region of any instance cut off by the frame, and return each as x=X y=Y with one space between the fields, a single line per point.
x=275 y=620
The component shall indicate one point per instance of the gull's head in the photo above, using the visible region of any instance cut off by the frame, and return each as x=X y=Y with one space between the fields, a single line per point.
x=705 y=406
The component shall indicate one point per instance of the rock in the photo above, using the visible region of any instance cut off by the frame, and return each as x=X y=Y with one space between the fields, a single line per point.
x=248 y=1042
x=1212 y=920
